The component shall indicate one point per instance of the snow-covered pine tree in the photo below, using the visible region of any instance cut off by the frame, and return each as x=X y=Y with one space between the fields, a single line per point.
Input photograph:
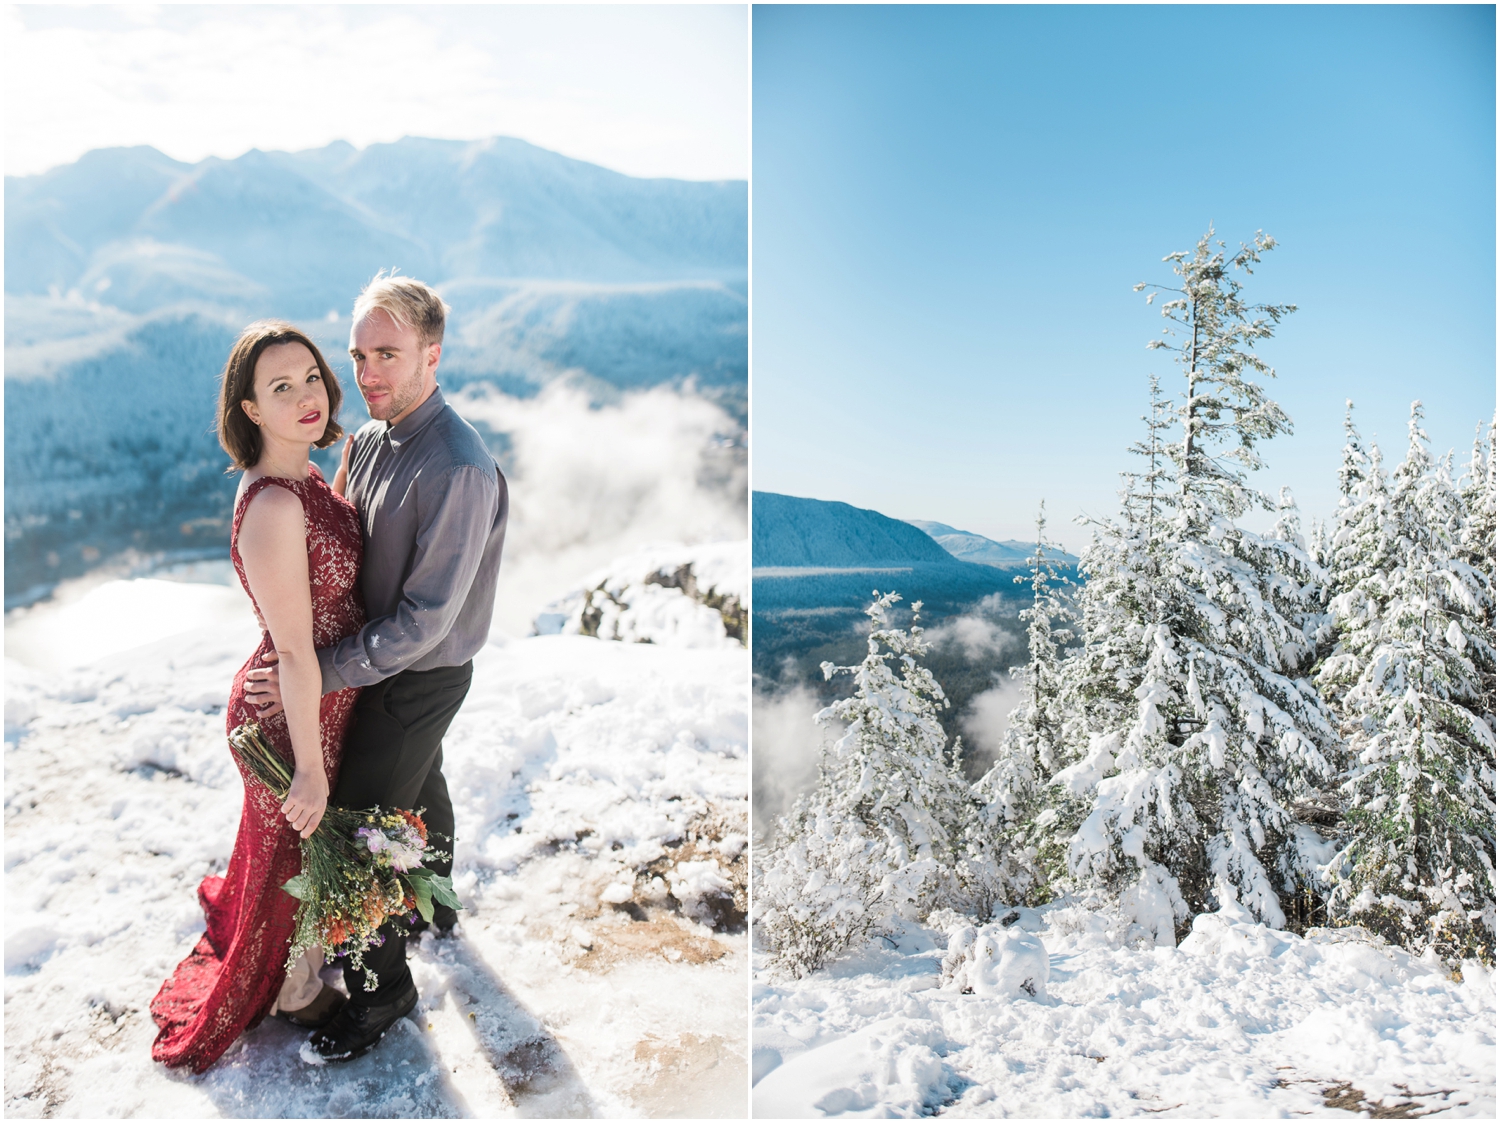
x=877 y=838
x=1117 y=610
x=1477 y=547
x=1418 y=863
x=1357 y=545
x=1002 y=836
x=1191 y=787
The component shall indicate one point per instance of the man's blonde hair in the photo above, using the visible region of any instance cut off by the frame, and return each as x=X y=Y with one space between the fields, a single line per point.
x=407 y=301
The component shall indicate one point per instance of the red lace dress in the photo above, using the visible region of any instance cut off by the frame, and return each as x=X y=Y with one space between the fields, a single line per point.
x=233 y=976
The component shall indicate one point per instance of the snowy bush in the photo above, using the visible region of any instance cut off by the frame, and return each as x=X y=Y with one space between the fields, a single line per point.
x=823 y=889
x=996 y=960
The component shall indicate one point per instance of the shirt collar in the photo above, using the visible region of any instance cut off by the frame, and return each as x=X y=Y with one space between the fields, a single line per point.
x=414 y=422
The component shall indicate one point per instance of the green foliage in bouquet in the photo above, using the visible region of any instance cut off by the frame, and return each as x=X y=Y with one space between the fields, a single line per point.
x=359 y=868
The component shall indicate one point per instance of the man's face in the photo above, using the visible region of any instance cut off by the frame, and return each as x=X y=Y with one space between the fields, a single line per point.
x=395 y=373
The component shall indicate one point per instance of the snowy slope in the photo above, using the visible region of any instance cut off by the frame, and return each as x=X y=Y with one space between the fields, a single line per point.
x=1239 y=1020
x=792 y=531
x=600 y=790
x=810 y=553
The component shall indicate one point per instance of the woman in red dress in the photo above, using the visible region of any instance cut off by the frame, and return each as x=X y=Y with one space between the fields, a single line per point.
x=296 y=546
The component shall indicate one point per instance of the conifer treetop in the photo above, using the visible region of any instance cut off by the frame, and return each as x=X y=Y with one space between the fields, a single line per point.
x=1212 y=332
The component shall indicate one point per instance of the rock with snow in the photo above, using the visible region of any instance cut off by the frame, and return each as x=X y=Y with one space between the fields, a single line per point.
x=672 y=595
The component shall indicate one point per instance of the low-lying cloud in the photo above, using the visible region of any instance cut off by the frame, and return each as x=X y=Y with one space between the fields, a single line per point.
x=985 y=720
x=979 y=634
x=786 y=741
x=591 y=482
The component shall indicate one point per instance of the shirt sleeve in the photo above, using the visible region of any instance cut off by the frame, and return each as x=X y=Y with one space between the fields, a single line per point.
x=454 y=523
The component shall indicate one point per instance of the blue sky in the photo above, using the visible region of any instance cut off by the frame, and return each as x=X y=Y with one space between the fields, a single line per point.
x=950 y=206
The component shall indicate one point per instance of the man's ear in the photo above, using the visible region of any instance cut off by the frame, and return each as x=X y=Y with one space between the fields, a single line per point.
x=434 y=353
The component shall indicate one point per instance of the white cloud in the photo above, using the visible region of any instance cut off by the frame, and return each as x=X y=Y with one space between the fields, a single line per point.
x=978 y=633
x=589 y=483
x=985 y=720
x=647 y=90
x=785 y=743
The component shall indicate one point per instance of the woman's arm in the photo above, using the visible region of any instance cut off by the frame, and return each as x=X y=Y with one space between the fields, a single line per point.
x=273 y=547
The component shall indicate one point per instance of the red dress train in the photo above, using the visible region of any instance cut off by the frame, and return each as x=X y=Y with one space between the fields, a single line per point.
x=233 y=976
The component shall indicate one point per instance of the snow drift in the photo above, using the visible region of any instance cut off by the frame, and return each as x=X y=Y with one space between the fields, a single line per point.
x=1241 y=1020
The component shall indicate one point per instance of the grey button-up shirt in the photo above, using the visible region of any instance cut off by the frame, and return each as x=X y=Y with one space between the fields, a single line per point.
x=432 y=505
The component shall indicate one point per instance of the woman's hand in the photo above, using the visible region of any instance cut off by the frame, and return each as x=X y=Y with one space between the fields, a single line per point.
x=306 y=801
x=341 y=477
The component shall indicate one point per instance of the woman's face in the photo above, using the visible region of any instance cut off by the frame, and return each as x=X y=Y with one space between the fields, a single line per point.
x=291 y=399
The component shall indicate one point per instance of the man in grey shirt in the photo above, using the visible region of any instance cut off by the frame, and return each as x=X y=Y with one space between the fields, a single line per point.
x=432 y=505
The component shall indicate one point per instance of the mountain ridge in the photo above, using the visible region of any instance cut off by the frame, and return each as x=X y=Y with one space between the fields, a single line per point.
x=444 y=210
x=791 y=531
x=968 y=546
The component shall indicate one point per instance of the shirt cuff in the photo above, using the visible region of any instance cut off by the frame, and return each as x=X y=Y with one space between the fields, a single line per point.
x=332 y=680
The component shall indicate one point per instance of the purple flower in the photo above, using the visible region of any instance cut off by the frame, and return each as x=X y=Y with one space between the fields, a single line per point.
x=374 y=839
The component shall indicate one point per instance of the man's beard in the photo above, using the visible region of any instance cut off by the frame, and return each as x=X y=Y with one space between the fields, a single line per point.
x=403 y=393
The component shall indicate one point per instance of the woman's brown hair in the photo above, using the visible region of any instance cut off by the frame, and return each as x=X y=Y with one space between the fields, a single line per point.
x=237 y=433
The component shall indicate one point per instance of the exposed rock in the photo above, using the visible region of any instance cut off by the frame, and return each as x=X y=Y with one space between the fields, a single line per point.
x=681 y=596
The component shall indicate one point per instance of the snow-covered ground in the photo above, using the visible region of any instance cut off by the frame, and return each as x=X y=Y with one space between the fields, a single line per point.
x=1238 y=1020
x=601 y=797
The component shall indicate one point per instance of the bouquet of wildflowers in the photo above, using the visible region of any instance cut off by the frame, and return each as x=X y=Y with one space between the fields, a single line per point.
x=359 y=868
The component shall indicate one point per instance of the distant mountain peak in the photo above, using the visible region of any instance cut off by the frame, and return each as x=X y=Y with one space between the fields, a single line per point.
x=968 y=546
x=791 y=531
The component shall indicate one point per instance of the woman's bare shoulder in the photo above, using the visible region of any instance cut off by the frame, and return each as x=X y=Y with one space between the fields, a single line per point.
x=272 y=512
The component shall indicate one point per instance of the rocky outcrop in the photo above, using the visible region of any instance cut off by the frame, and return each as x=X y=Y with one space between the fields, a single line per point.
x=682 y=596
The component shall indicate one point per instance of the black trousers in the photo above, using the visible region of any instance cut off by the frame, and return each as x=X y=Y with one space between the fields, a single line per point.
x=393 y=757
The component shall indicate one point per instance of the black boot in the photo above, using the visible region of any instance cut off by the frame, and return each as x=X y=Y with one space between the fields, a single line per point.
x=317 y=1013
x=355 y=1029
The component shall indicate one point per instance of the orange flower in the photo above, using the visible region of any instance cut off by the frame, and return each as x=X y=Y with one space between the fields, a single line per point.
x=416 y=821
